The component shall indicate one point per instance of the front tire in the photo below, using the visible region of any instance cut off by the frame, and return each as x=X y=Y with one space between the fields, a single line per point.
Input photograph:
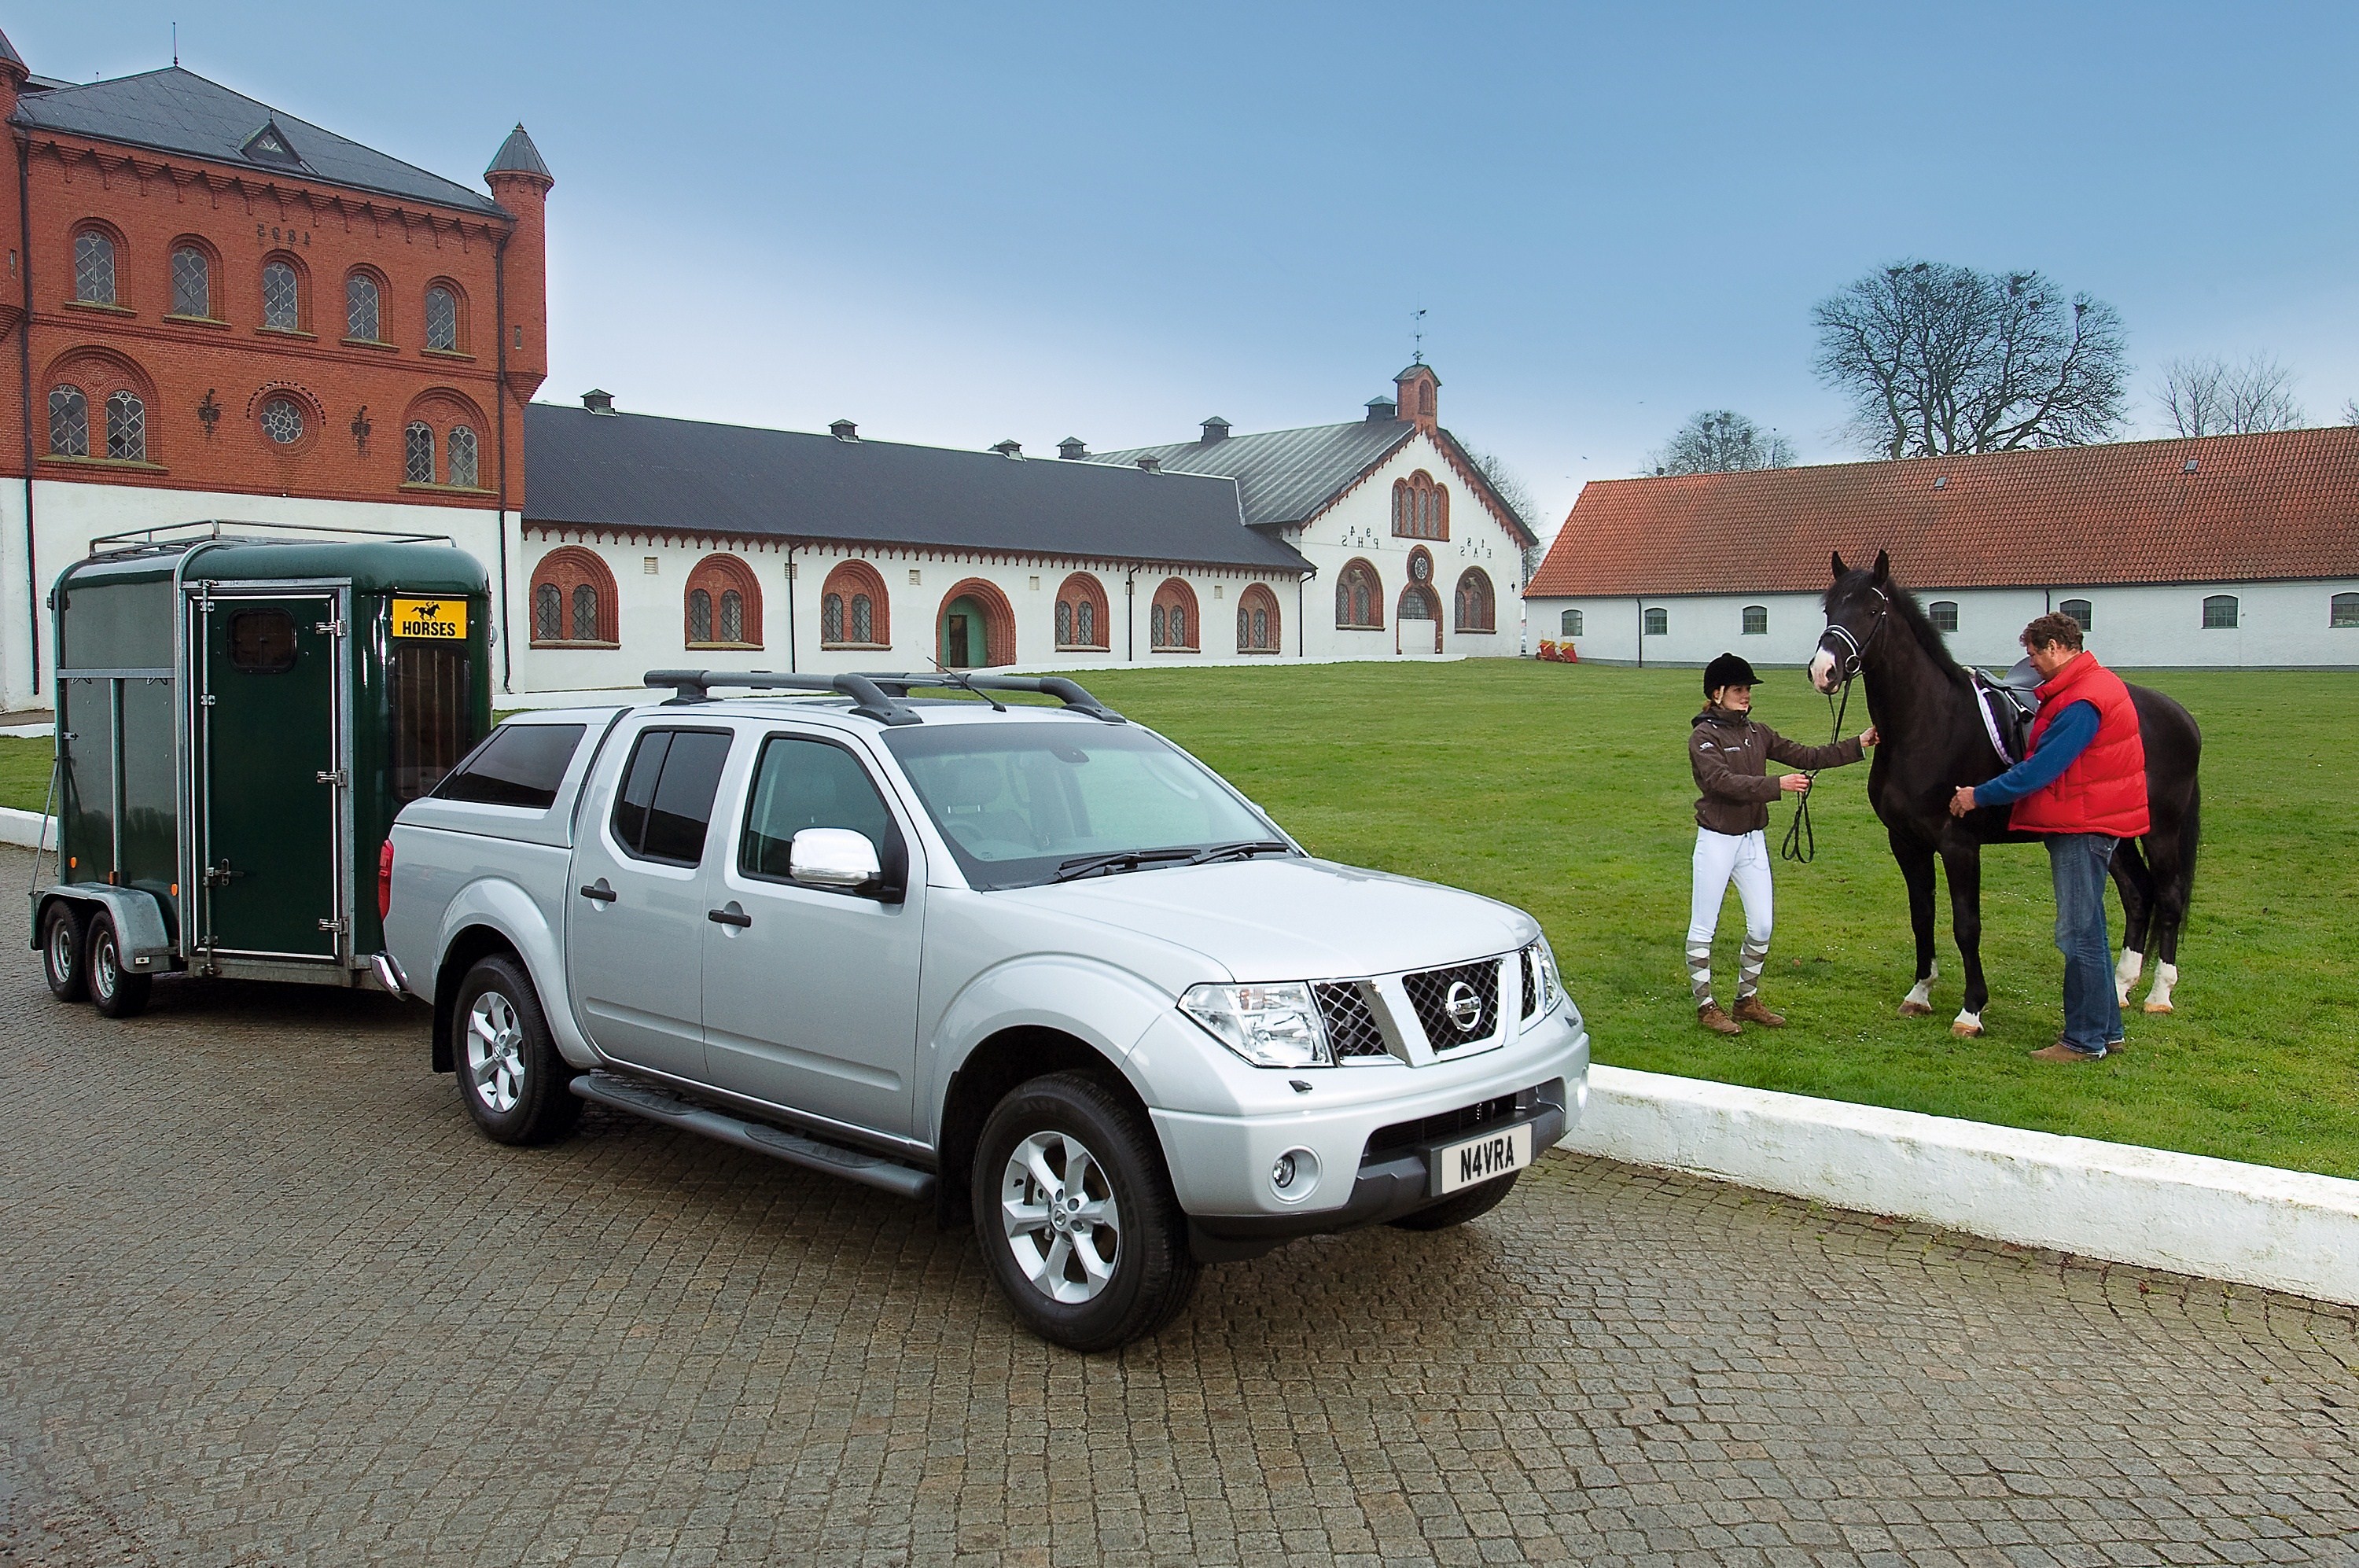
x=1076 y=1216
x=511 y=1078
x=114 y=991
x=62 y=952
x=1459 y=1207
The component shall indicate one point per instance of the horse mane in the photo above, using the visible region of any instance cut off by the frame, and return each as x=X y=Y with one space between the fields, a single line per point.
x=1911 y=614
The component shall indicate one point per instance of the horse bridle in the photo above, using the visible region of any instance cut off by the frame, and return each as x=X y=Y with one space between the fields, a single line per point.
x=1855 y=648
x=1801 y=842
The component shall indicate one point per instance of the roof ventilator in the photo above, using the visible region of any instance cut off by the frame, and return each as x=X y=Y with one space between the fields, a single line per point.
x=598 y=400
x=1072 y=449
x=1150 y=465
x=1216 y=428
x=1008 y=448
x=844 y=430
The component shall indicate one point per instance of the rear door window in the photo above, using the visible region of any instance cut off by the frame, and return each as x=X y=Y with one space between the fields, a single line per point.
x=520 y=765
x=665 y=802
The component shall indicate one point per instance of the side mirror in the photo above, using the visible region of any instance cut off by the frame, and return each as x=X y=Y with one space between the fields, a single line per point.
x=832 y=858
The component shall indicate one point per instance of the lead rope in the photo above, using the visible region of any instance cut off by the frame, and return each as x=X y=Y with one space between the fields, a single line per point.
x=1801 y=843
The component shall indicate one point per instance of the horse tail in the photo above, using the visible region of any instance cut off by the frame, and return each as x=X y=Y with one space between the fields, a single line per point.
x=2190 y=833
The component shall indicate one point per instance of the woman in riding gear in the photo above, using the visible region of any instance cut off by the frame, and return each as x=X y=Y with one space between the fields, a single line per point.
x=1729 y=754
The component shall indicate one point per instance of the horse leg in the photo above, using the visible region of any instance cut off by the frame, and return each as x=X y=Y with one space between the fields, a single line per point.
x=1917 y=870
x=1963 y=865
x=2172 y=877
x=2134 y=882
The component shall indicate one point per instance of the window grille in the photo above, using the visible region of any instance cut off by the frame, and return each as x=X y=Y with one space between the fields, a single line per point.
x=462 y=457
x=1244 y=629
x=1260 y=628
x=417 y=454
x=441 y=319
x=69 y=422
x=831 y=618
x=548 y=613
x=93 y=268
x=361 y=308
x=1085 y=614
x=1943 y=613
x=192 y=283
x=733 y=616
x=1179 y=625
x=126 y=428
x=282 y=421
x=700 y=616
x=1158 y=629
x=282 y=301
x=863 y=619
x=585 y=613
x=2080 y=610
x=2343 y=610
x=1569 y=624
x=1756 y=620
x=1658 y=623
x=2220 y=611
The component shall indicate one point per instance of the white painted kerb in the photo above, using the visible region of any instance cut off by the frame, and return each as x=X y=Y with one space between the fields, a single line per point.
x=28 y=828
x=2255 y=1225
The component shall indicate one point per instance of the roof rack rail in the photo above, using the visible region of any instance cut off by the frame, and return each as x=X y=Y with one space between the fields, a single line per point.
x=876 y=695
x=134 y=541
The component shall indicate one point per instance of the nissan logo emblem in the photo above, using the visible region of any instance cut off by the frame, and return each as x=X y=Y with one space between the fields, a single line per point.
x=1463 y=1006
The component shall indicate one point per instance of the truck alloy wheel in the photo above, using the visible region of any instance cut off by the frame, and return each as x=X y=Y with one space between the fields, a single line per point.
x=511 y=1078
x=62 y=957
x=496 y=1052
x=1061 y=1220
x=113 y=991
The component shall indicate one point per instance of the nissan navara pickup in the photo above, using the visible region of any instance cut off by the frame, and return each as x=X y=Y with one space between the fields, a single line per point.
x=1022 y=959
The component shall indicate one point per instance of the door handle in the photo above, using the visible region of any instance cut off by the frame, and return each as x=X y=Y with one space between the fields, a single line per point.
x=599 y=891
x=729 y=914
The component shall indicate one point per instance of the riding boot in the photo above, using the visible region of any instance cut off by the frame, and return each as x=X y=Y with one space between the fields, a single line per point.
x=1749 y=1010
x=1713 y=1019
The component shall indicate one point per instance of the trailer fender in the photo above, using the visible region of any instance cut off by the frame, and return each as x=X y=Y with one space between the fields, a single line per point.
x=137 y=914
x=507 y=910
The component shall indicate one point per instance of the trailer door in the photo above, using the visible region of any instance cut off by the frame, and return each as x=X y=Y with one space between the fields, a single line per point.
x=271 y=773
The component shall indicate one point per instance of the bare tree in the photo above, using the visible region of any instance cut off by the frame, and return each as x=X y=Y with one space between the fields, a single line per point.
x=1722 y=441
x=1507 y=483
x=2203 y=395
x=2351 y=410
x=1938 y=358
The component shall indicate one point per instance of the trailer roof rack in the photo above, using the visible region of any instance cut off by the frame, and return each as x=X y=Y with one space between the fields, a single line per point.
x=134 y=541
x=878 y=695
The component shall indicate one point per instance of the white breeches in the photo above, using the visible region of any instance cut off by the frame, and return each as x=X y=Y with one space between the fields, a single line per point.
x=1721 y=858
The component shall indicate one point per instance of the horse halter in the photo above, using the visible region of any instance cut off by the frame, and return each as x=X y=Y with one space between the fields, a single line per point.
x=1855 y=648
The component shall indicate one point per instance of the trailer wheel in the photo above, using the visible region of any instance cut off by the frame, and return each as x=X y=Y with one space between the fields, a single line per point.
x=61 y=956
x=511 y=1078
x=114 y=992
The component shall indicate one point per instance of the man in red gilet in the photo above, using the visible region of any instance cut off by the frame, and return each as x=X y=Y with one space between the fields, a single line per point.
x=2082 y=786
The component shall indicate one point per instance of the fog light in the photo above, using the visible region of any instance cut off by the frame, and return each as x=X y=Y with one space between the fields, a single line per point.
x=1294 y=1175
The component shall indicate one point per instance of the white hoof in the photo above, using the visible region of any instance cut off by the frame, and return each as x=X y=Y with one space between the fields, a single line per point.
x=2125 y=975
x=1967 y=1026
x=1919 y=1002
x=2165 y=978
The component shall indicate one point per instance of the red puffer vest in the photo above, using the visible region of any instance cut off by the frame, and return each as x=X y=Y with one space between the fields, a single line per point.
x=2103 y=791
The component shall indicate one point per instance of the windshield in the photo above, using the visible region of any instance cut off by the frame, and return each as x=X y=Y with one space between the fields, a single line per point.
x=1024 y=803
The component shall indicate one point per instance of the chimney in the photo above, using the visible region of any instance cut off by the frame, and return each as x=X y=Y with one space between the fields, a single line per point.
x=1150 y=465
x=1418 y=385
x=598 y=400
x=1382 y=410
x=519 y=182
x=1215 y=428
x=1008 y=448
x=844 y=430
x=1071 y=448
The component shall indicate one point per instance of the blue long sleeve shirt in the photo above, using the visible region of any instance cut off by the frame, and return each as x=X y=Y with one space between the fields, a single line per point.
x=2068 y=734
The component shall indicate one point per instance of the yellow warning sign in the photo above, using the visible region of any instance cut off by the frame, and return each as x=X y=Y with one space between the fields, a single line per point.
x=430 y=617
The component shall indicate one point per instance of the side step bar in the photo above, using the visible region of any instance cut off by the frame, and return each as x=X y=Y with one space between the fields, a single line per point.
x=870 y=1170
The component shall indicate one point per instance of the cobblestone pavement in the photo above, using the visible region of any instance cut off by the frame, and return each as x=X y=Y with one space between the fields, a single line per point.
x=264 y=1296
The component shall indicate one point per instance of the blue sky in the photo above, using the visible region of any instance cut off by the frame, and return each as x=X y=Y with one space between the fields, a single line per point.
x=958 y=223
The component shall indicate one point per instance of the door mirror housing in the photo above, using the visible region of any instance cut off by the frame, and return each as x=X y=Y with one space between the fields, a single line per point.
x=834 y=858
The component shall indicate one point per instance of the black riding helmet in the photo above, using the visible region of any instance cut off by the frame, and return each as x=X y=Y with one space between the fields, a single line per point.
x=1728 y=670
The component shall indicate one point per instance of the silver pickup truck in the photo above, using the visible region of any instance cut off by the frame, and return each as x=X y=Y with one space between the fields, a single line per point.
x=1024 y=959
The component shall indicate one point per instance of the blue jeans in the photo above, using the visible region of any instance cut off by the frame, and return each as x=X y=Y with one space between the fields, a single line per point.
x=2092 y=1012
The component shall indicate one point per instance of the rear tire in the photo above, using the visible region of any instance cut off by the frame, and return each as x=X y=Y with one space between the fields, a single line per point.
x=1067 y=1172
x=62 y=964
x=114 y=991
x=511 y=1078
x=1459 y=1207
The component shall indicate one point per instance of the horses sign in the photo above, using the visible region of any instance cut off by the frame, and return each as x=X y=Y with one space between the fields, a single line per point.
x=440 y=618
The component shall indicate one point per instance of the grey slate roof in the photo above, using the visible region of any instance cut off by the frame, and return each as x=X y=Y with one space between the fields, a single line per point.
x=1283 y=476
x=8 y=54
x=518 y=155
x=178 y=111
x=639 y=471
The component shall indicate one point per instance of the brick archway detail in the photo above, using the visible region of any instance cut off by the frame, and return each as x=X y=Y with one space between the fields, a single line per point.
x=998 y=620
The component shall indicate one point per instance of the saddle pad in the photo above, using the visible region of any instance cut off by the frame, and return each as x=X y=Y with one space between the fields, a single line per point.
x=2006 y=711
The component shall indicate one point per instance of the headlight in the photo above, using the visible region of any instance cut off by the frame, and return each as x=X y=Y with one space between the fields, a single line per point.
x=1269 y=1026
x=1548 y=989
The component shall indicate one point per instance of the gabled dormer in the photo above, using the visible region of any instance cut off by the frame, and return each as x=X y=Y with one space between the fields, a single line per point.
x=271 y=145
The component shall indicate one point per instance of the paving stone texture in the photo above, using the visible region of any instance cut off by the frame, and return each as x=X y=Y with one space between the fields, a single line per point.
x=265 y=1296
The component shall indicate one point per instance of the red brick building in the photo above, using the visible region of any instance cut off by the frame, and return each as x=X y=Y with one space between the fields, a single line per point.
x=213 y=309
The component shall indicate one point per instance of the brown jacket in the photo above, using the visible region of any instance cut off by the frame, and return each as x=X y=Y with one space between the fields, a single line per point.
x=1730 y=755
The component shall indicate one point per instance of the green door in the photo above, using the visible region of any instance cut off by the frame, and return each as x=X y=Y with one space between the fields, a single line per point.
x=270 y=769
x=963 y=634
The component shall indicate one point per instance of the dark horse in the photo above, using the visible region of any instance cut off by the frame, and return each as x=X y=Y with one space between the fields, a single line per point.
x=1933 y=741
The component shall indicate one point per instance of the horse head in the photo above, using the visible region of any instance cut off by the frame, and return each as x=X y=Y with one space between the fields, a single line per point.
x=1858 y=604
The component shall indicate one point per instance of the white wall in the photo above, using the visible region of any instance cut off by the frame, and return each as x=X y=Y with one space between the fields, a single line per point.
x=2280 y=624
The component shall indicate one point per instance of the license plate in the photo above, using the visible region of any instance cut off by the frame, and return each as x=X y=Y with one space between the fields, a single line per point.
x=1479 y=1159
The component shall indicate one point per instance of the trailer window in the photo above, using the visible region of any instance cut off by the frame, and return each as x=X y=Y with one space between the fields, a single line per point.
x=262 y=642
x=521 y=765
x=433 y=715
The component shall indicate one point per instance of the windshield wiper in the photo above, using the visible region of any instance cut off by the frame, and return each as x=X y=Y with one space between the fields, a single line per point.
x=1243 y=849
x=1120 y=860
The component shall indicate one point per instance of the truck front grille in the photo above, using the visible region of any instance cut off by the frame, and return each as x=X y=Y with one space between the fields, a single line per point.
x=1430 y=992
x=1351 y=1026
x=1448 y=1124
x=1525 y=966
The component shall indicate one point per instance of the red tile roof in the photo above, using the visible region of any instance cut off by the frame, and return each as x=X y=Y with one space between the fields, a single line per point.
x=2217 y=510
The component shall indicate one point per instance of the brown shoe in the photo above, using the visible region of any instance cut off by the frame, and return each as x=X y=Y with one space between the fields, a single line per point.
x=1713 y=1019
x=2061 y=1051
x=1749 y=1010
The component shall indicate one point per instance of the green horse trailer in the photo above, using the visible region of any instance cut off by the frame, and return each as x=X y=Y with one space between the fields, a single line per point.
x=239 y=719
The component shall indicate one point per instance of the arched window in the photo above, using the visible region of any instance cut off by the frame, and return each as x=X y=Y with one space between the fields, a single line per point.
x=417 y=453
x=282 y=421
x=574 y=598
x=1569 y=624
x=2220 y=611
x=1476 y=605
x=282 y=298
x=1171 y=618
x=442 y=318
x=126 y=428
x=852 y=609
x=69 y=422
x=1082 y=618
x=1658 y=622
x=462 y=470
x=192 y=283
x=1756 y=620
x=725 y=603
x=1359 y=598
x=2081 y=611
x=362 y=309
x=1258 y=627
x=2342 y=610
x=1943 y=613
x=93 y=271
x=1420 y=507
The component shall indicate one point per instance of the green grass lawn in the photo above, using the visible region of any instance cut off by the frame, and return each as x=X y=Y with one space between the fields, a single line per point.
x=1565 y=789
